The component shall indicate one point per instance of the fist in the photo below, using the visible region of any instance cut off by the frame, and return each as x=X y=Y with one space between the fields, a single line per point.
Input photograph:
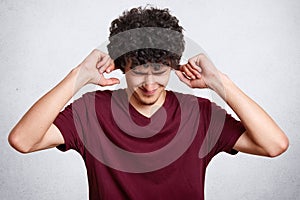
x=199 y=72
x=94 y=66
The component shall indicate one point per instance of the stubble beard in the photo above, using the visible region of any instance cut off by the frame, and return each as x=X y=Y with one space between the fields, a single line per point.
x=148 y=100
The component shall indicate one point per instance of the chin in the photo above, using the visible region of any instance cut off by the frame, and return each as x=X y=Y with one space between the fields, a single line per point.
x=148 y=100
x=145 y=99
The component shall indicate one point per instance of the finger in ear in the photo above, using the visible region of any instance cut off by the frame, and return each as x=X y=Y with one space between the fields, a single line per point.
x=111 y=67
x=183 y=78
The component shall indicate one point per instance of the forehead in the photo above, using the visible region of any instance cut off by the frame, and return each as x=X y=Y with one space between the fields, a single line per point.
x=148 y=66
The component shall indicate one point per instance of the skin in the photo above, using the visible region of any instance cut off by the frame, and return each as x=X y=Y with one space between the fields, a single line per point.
x=35 y=131
x=146 y=87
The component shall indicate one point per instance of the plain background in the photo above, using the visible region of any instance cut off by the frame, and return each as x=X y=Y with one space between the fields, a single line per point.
x=256 y=43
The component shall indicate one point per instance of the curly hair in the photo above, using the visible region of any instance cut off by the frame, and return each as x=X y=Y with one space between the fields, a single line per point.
x=146 y=35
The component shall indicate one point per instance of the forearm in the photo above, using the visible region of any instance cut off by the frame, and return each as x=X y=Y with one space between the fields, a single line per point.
x=34 y=124
x=260 y=127
x=262 y=135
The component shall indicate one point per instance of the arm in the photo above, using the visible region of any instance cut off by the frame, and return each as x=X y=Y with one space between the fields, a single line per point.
x=35 y=130
x=262 y=135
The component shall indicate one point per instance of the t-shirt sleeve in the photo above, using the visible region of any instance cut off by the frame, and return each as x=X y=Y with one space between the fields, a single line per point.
x=231 y=132
x=223 y=129
x=66 y=124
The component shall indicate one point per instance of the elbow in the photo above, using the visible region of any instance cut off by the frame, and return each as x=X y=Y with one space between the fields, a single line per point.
x=280 y=147
x=17 y=143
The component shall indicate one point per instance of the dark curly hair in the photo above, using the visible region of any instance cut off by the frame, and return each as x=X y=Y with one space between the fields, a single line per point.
x=146 y=35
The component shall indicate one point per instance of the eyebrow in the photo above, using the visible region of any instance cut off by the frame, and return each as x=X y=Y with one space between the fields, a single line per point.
x=153 y=65
x=153 y=72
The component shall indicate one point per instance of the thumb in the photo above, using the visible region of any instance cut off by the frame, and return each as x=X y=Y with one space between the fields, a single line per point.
x=111 y=81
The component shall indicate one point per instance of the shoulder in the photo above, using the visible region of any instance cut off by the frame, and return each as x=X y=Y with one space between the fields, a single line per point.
x=98 y=94
x=189 y=102
x=91 y=98
x=188 y=98
x=103 y=95
x=193 y=103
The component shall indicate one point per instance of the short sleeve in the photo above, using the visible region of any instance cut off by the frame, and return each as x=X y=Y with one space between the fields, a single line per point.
x=222 y=130
x=66 y=124
x=232 y=131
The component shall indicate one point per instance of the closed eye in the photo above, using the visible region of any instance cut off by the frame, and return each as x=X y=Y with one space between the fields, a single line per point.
x=139 y=73
x=159 y=73
x=146 y=73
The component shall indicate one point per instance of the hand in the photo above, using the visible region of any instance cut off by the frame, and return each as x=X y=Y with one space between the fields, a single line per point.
x=93 y=67
x=200 y=72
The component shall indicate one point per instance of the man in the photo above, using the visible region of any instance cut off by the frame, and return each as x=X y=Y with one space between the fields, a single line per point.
x=145 y=142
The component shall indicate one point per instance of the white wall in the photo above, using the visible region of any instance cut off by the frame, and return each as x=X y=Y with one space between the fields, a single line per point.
x=255 y=42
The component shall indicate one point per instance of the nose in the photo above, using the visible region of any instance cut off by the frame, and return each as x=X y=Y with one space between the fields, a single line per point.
x=149 y=82
x=149 y=79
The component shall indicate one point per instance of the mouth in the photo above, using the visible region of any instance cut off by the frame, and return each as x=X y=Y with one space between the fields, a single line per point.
x=148 y=92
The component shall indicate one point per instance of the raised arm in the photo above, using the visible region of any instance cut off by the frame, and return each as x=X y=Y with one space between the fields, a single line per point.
x=262 y=136
x=36 y=131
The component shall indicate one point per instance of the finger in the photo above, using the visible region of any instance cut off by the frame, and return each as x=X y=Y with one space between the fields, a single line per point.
x=103 y=60
x=111 y=66
x=183 y=78
x=186 y=69
x=98 y=54
x=103 y=63
x=194 y=65
x=105 y=66
x=194 y=71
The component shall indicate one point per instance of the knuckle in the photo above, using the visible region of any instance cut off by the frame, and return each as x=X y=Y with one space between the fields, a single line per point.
x=95 y=51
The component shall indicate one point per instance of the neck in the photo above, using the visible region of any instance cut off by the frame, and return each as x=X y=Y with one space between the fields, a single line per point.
x=148 y=109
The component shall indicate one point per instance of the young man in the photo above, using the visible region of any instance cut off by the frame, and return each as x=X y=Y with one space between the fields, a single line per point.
x=144 y=142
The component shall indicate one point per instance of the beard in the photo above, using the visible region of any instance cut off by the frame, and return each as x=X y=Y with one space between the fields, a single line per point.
x=146 y=99
x=140 y=98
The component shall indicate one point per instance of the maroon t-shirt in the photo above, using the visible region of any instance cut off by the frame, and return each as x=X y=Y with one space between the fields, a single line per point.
x=130 y=156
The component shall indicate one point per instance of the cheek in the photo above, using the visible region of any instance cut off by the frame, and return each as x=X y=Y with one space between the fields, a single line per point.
x=162 y=80
x=133 y=81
